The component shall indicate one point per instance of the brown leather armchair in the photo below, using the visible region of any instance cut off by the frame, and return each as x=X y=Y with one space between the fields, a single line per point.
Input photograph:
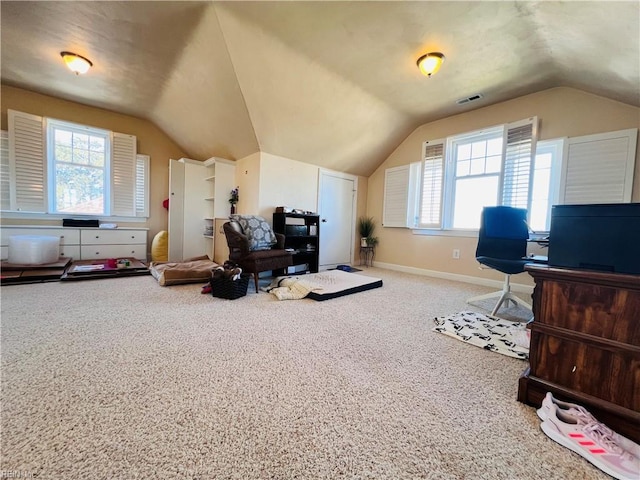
x=255 y=261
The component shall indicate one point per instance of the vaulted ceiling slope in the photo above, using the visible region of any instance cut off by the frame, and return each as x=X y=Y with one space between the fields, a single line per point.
x=329 y=83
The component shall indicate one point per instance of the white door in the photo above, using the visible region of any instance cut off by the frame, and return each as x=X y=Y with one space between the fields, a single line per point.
x=196 y=208
x=176 y=210
x=336 y=206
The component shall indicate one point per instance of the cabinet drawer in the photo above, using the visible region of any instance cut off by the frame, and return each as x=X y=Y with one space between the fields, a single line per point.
x=67 y=237
x=599 y=310
x=70 y=251
x=121 y=237
x=609 y=373
x=91 y=252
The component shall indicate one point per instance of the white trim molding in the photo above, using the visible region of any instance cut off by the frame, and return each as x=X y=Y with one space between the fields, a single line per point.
x=486 y=282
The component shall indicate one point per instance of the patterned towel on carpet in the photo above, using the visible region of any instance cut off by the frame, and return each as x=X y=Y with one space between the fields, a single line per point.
x=485 y=331
x=291 y=288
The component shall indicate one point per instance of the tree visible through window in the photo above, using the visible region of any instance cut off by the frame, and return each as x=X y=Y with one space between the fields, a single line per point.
x=80 y=162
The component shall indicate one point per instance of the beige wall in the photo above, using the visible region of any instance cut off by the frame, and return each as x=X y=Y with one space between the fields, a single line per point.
x=361 y=209
x=287 y=182
x=562 y=112
x=151 y=141
x=268 y=181
x=248 y=181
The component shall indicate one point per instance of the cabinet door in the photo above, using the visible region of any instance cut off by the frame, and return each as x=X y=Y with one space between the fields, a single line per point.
x=115 y=237
x=176 y=210
x=196 y=209
x=92 y=252
x=70 y=251
x=599 y=310
x=67 y=236
x=69 y=239
x=603 y=371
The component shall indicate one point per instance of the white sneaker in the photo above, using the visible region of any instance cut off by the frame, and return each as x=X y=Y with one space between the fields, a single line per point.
x=579 y=411
x=591 y=441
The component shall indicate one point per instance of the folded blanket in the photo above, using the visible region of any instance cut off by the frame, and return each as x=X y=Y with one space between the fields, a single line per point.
x=291 y=288
x=194 y=270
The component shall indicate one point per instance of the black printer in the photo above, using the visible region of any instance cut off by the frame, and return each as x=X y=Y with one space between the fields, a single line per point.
x=603 y=237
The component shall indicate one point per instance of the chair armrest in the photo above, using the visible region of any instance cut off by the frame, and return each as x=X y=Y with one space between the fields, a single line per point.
x=237 y=241
x=280 y=241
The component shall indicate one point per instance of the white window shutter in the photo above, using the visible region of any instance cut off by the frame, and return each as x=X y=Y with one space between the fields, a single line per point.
x=27 y=162
x=142 y=185
x=5 y=176
x=123 y=175
x=599 y=168
x=432 y=185
x=396 y=197
x=519 y=147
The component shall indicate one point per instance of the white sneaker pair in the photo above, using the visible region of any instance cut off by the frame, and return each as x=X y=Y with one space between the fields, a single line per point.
x=573 y=427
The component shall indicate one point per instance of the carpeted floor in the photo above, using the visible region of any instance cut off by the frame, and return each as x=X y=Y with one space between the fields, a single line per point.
x=123 y=379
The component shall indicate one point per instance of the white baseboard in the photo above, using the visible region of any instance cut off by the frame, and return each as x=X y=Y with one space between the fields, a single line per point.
x=486 y=282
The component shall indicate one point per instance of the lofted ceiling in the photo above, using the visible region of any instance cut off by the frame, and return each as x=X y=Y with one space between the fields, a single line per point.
x=329 y=83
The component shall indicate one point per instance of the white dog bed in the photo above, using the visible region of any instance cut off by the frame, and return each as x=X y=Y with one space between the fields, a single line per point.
x=329 y=284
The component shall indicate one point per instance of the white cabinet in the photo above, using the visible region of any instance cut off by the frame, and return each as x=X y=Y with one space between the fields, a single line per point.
x=69 y=238
x=85 y=243
x=97 y=243
x=198 y=192
x=220 y=180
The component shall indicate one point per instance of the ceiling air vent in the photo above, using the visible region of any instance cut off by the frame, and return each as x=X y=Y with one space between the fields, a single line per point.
x=472 y=98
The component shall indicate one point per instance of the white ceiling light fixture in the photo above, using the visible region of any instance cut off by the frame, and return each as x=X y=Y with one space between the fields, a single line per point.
x=76 y=63
x=430 y=63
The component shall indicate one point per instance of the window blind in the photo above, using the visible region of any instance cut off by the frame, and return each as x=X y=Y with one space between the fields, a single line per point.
x=599 y=168
x=396 y=197
x=142 y=185
x=5 y=177
x=123 y=175
x=432 y=181
x=27 y=162
x=517 y=173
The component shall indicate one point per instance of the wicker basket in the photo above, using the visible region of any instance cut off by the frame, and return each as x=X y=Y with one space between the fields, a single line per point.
x=222 y=287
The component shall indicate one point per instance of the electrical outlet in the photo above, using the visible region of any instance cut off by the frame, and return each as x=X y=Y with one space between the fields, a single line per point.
x=456 y=253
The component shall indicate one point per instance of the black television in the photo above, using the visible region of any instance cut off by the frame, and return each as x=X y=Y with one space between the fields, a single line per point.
x=603 y=237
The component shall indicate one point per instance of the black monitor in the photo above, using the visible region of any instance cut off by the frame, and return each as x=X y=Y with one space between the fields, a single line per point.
x=603 y=237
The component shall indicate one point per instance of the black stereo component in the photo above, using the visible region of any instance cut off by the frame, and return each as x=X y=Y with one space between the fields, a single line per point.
x=295 y=230
x=73 y=222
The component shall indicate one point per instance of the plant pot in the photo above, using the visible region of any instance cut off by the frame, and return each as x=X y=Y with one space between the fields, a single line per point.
x=363 y=242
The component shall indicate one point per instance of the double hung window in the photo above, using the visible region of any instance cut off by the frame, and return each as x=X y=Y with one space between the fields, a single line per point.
x=79 y=165
x=53 y=167
x=464 y=173
x=504 y=165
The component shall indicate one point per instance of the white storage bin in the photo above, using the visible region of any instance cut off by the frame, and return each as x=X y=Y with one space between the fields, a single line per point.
x=33 y=249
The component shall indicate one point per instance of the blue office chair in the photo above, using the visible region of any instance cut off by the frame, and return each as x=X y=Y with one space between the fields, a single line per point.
x=502 y=245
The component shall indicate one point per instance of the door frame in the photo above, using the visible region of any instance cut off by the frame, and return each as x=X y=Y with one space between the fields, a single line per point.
x=322 y=172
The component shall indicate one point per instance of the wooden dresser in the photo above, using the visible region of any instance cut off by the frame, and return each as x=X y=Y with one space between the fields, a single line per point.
x=585 y=344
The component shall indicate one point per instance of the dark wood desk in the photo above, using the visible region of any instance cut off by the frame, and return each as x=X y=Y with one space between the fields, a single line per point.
x=585 y=344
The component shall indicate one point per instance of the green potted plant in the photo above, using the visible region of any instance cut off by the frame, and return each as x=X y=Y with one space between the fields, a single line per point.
x=366 y=227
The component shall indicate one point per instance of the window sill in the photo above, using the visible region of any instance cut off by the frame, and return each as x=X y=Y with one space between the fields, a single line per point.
x=51 y=216
x=445 y=233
